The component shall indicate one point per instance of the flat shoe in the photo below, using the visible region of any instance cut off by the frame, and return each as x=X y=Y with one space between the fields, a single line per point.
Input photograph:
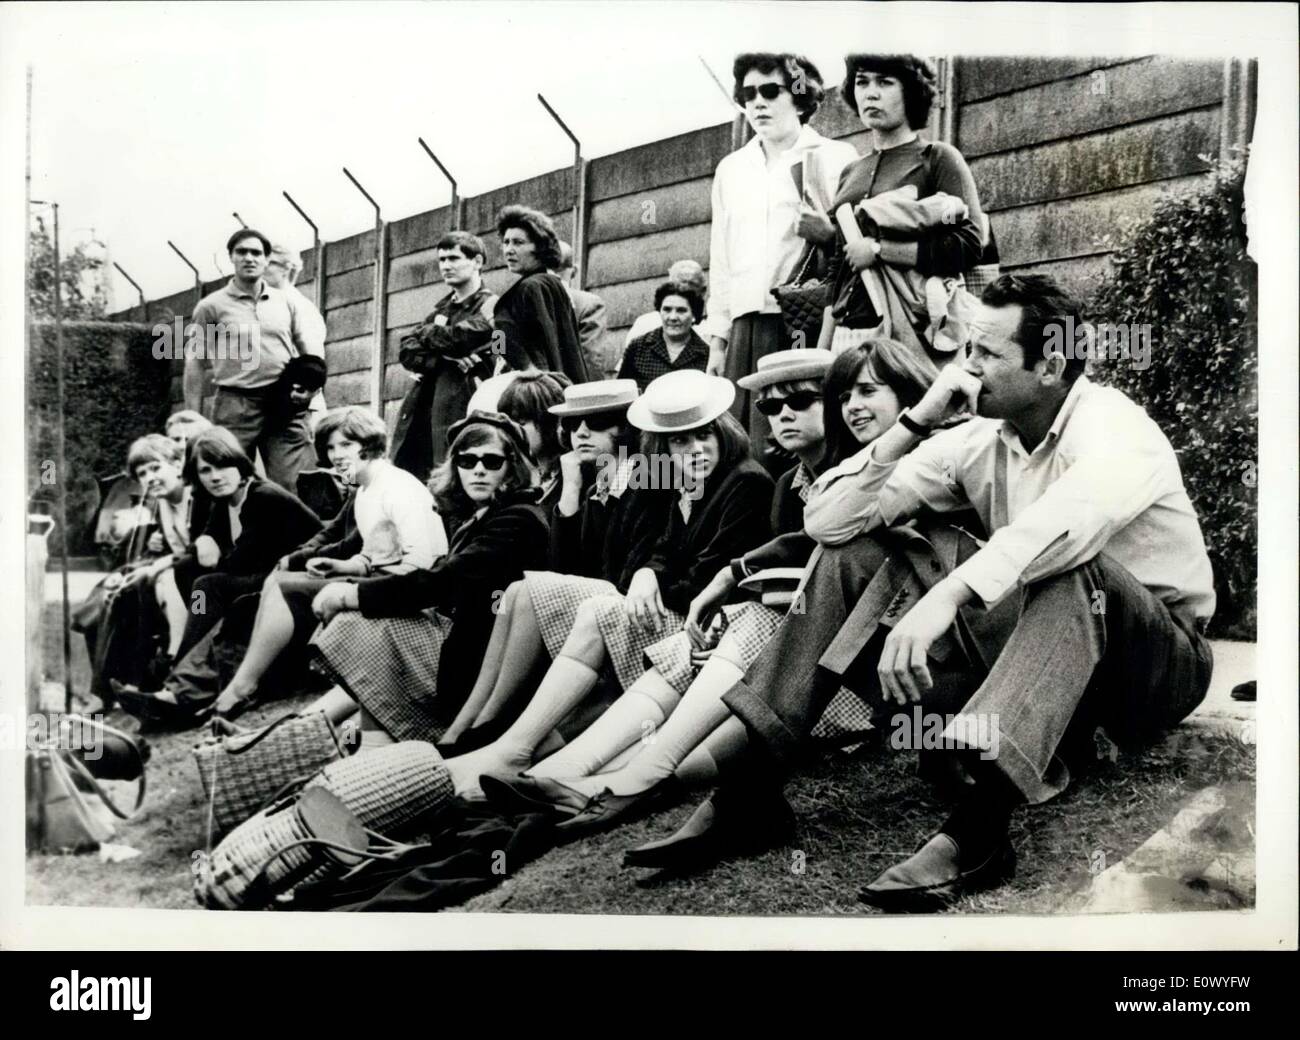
x=152 y=710
x=531 y=794
x=933 y=878
x=722 y=826
x=606 y=809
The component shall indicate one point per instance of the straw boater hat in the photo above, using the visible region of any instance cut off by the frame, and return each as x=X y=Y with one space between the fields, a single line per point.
x=601 y=395
x=785 y=366
x=680 y=401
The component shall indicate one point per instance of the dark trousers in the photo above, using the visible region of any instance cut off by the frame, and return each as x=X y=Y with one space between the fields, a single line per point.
x=209 y=598
x=284 y=440
x=1089 y=646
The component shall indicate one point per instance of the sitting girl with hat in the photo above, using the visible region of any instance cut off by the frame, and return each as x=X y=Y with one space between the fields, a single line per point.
x=601 y=533
x=861 y=395
x=406 y=647
x=716 y=506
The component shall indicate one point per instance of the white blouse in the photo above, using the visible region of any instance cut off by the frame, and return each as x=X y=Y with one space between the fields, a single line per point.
x=754 y=244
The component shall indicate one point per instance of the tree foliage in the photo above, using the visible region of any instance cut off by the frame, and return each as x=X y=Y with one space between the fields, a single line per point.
x=83 y=290
x=1184 y=272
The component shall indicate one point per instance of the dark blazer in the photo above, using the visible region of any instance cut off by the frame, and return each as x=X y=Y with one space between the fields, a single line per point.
x=611 y=539
x=337 y=540
x=536 y=317
x=733 y=513
x=483 y=558
x=791 y=547
x=273 y=522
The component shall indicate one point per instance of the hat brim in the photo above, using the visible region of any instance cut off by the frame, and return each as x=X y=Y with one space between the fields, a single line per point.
x=786 y=374
x=589 y=409
x=718 y=401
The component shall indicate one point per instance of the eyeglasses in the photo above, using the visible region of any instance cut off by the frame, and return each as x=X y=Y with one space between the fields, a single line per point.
x=597 y=422
x=491 y=460
x=799 y=401
x=768 y=91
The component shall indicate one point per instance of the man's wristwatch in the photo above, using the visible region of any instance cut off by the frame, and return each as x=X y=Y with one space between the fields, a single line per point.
x=913 y=427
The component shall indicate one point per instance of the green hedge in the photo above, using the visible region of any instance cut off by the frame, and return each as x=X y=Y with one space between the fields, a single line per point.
x=114 y=390
x=1184 y=272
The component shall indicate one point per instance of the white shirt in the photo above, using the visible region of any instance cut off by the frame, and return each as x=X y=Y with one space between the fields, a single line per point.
x=400 y=531
x=1105 y=478
x=753 y=244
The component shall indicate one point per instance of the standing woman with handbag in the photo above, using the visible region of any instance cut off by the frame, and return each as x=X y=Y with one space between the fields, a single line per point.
x=893 y=94
x=761 y=221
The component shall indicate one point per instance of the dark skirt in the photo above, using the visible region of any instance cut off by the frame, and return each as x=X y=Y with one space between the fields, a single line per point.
x=754 y=336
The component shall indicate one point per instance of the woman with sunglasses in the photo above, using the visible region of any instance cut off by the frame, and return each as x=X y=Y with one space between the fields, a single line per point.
x=716 y=504
x=407 y=647
x=761 y=221
x=863 y=392
x=535 y=315
x=673 y=346
x=893 y=94
x=387 y=526
x=601 y=533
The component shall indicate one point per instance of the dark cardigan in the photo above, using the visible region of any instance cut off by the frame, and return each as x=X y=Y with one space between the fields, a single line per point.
x=273 y=522
x=611 y=539
x=791 y=547
x=541 y=331
x=484 y=557
x=734 y=512
x=337 y=540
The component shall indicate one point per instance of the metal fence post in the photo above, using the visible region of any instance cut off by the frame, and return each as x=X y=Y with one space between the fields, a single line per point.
x=144 y=304
x=579 y=200
x=380 y=309
x=455 y=194
x=317 y=251
x=198 y=280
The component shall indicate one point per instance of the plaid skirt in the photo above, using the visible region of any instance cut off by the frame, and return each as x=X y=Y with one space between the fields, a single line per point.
x=390 y=665
x=626 y=643
x=750 y=626
x=556 y=598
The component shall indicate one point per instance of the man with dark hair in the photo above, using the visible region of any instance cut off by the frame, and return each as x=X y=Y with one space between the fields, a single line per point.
x=244 y=334
x=589 y=312
x=446 y=356
x=1095 y=557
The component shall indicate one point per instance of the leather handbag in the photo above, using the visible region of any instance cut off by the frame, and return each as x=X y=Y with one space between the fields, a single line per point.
x=806 y=294
x=308 y=839
x=67 y=809
x=240 y=773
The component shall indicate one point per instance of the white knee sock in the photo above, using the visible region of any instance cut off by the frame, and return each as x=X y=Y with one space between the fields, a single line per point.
x=708 y=761
x=624 y=722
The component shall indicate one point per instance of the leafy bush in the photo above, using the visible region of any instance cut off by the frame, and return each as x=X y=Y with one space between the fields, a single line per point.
x=1184 y=272
x=114 y=391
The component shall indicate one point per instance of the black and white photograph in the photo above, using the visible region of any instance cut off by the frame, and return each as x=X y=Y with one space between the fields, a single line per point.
x=555 y=474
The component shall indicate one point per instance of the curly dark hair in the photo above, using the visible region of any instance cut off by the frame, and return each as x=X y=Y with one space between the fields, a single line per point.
x=917 y=76
x=795 y=70
x=687 y=292
x=539 y=229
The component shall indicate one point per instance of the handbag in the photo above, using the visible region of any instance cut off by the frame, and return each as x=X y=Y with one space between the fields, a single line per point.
x=308 y=839
x=67 y=809
x=393 y=788
x=804 y=297
x=240 y=773
x=106 y=752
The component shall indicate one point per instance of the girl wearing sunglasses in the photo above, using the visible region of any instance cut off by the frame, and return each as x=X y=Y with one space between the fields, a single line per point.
x=406 y=647
x=762 y=220
x=715 y=505
x=861 y=396
x=601 y=532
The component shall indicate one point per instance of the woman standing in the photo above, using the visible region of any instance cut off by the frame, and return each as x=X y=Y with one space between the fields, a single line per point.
x=761 y=222
x=717 y=505
x=406 y=647
x=394 y=529
x=535 y=315
x=673 y=346
x=892 y=94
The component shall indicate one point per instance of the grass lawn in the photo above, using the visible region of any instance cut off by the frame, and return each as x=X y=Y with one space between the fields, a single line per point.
x=857 y=815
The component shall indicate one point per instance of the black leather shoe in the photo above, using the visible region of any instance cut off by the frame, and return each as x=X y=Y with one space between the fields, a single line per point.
x=153 y=712
x=728 y=824
x=607 y=808
x=482 y=735
x=934 y=877
x=532 y=794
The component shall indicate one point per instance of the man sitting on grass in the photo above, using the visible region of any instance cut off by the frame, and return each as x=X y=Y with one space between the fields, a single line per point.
x=1093 y=537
